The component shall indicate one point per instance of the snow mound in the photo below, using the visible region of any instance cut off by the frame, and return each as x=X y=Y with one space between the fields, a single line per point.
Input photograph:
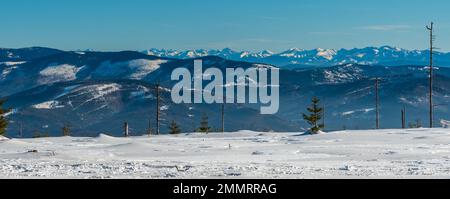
x=309 y=132
x=445 y=123
x=2 y=138
x=246 y=131
x=103 y=138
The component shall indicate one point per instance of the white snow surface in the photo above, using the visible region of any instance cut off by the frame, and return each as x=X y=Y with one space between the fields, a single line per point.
x=6 y=72
x=48 y=105
x=143 y=67
x=134 y=69
x=412 y=153
x=12 y=63
x=58 y=73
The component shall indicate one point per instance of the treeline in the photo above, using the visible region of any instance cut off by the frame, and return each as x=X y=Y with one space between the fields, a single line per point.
x=3 y=120
x=315 y=117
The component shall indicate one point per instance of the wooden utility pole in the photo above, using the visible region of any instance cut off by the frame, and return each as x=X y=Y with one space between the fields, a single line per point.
x=21 y=130
x=126 y=131
x=430 y=94
x=158 y=108
x=377 y=100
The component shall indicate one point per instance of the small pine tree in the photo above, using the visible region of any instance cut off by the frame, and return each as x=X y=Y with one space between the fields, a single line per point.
x=314 y=116
x=66 y=130
x=174 y=128
x=38 y=134
x=417 y=124
x=3 y=120
x=149 y=131
x=204 y=125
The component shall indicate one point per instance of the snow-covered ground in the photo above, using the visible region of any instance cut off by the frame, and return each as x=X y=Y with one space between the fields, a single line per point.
x=414 y=153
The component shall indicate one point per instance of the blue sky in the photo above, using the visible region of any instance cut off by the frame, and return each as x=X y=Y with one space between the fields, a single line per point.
x=254 y=25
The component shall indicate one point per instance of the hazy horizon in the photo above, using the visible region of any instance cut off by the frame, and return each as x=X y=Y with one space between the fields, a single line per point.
x=208 y=49
x=250 y=25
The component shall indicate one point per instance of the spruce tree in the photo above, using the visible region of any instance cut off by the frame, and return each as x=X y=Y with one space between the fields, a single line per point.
x=204 y=125
x=174 y=128
x=3 y=120
x=314 y=116
x=66 y=130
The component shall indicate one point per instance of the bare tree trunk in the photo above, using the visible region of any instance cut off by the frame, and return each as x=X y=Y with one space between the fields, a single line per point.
x=149 y=129
x=126 y=129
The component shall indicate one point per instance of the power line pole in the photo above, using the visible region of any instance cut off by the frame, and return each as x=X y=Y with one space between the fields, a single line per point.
x=21 y=130
x=403 y=118
x=158 y=108
x=223 y=116
x=430 y=28
x=377 y=100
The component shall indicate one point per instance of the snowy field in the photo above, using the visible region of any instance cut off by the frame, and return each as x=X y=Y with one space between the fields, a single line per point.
x=414 y=153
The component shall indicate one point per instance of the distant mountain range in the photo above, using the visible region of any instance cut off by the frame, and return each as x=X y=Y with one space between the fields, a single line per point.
x=299 y=58
x=95 y=92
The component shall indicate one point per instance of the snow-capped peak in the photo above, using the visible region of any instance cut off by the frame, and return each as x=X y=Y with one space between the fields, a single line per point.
x=265 y=53
x=314 y=57
x=327 y=54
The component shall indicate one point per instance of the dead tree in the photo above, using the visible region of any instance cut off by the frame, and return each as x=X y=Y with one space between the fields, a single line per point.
x=126 y=131
x=149 y=128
